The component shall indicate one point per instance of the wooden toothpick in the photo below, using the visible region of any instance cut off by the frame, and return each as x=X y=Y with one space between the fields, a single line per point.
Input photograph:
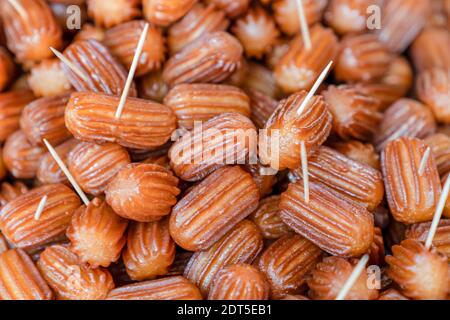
x=314 y=89
x=66 y=172
x=304 y=28
x=438 y=213
x=40 y=208
x=424 y=160
x=19 y=8
x=353 y=277
x=130 y=77
x=305 y=171
x=68 y=63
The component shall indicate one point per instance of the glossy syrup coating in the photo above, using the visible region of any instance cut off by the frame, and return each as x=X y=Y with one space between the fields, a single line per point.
x=123 y=39
x=108 y=14
x=213 y=207
x=412 y=197
x=331 y=274
x=150 y=250
x=287 y=262
x=233 y=8
x=165 y=12
x=280 y=144
x=70 y=279
x=299 y=68
x=426 y=54
x=136 y=185
x=239 y=282
x=421 y=273
x=210 y=59
x=358 y=151
x=31 y=31
x=93 y=166
x=241 y=244
x=337 y=225
x=19 y=225
x=11 y=105
x=441 y=240
x=97 y=234
x=103 y=72
x=440 y=145
x=200 y=20
x=143 y=124
x=20 y=279
x=7 y=68
x=201 y=102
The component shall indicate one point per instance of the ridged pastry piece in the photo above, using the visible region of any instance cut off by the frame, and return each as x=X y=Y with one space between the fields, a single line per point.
x=180 y=263
x=143 y=192
x=170 y=288
x=349 y=16
x=279 y=49
x=287 y=262
x=355 y=115
x=200 y=102
x=336 y=225
x=9 y=192
x=93 y=166
x=49 y=171
x=394 y=85
x=267 y=219
x=299 y=67
x=165 y=12
x=262 y=106
x=142 y=125
x=405 y=118
x=11 y=105
x=123 y=39
x=402 y=21
x=286 y=13
x=265 y=182
x=150 y=250
x=3 y=244
x=412 y=197
x=229 y=138
x=199 y=21
x=89 y=31
x=433 y=89
x=430 y=49
x=392 y=294
x=362 y=58
x=441 y=240
x=97 y=234
x=358 y=151
x=440 y=145
x=7 y=68
x=242 y=244
x=233 y=8
x=31 y=31
x=20 y=157
x=110 y=13
x=47 y=79
x=421 y=273
x=20 y=279
x=352 y=180
x=239 y=282
x=152 y=87
x=257 y=32
x=103 y=72
x=70 y=279
x=376 y=251
x=261 y=78
x=331 y=274
x=19 y=225
x=44 y=119
x=279 y=146
x=209 y=59
x=213 y=207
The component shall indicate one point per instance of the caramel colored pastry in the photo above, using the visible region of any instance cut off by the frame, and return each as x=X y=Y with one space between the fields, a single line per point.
x=150 y=250
x=70 y=279
x=239 y=282
x=136 y=186
x=97 y=234
x=420 y=273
